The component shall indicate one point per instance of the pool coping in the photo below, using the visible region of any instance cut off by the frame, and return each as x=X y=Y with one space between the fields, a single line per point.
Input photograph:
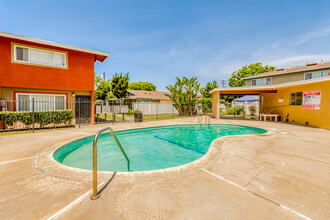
x=46 y=164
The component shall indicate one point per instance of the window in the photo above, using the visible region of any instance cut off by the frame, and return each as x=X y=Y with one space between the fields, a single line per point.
x=42 y=102
x=262 y=81
x=143 y=100
x=33 y=55
x=296 y=98
x=315 y=75
x=261 y=100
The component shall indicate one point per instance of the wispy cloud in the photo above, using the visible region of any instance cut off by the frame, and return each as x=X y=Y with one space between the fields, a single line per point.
x=314 y=34
x=296 y=60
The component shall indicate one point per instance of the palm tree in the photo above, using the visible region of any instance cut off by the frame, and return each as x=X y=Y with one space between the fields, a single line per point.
x=184 y=95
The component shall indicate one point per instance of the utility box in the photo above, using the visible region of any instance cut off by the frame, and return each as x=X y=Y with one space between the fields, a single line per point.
x=138 y=117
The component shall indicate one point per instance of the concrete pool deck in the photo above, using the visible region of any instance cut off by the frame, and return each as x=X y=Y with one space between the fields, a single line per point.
x=285 y=175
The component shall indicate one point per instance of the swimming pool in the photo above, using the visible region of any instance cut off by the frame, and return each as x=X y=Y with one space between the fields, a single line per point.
x=148 y=148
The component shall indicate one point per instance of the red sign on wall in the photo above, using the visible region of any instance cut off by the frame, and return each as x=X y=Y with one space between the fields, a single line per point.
x=312 y=100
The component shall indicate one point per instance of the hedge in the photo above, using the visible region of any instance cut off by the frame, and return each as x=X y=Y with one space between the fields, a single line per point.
x=41 y=117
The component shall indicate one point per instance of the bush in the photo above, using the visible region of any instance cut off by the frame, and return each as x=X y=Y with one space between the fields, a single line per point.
x=252 y=109
x=206 y=105
x=131 y=111
x=40 y=117
x=235 y=110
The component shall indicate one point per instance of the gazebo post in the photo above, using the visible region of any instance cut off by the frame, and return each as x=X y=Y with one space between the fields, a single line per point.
x=215 y=104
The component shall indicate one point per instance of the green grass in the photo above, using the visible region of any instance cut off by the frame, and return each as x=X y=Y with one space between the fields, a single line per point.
x=109 y=117
x=28 y=131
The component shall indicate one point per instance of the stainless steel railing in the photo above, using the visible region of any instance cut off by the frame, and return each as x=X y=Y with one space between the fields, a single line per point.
x=206 y=119
x=95 y=194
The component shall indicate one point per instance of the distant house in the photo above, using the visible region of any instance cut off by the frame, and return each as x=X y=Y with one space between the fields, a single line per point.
x=145 y=96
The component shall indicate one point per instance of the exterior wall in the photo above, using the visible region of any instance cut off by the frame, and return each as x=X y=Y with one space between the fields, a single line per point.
x=215 y=105
x=248 y=82
x=284 y=78
x=316 y=118
x=78 y=76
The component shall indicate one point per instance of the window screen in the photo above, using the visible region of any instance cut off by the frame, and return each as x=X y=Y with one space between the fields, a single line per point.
x=23 y=102
x=59 y=103
x=22 y=54
x=42 y=57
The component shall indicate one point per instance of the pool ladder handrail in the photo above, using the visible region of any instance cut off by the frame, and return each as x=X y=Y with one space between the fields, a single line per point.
x=95 y=194
x=206 y=119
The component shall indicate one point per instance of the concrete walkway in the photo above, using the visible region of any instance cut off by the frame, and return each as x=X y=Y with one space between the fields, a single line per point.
x=282 y=176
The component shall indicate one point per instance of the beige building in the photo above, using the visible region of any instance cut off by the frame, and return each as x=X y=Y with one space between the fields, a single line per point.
x=298 y=95
x=310 y=71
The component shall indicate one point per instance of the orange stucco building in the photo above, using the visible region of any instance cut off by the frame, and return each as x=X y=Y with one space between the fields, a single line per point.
x=44 y=70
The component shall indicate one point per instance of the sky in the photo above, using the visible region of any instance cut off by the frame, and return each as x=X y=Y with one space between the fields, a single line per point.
x=159 y=40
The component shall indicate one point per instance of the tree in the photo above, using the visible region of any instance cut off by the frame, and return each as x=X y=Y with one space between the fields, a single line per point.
x=148 y=86
x=207 y=89
x=119 y=85
x=184 y=95
x=206 y=100
x=102 y=90
x=253 y=69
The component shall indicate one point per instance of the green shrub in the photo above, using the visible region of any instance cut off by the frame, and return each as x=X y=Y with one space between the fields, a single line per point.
x=131 y=111
x=235 y=110
x=40 y=117
x=205 y=104
x=252 y=109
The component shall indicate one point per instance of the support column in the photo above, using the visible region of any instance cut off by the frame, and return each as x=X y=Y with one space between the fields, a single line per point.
x=215 y=104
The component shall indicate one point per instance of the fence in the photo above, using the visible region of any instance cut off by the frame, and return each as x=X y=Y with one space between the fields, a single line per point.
x=31 y=115
x=153 y=108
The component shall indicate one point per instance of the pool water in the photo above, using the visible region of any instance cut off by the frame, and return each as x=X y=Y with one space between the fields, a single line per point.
x=148 y=148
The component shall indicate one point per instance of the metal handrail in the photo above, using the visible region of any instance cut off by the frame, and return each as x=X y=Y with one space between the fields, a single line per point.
x=95 y=194
x=206 y=119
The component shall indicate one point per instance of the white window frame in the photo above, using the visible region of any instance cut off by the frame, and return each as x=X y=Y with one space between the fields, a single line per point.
x=30 y=99
x=42 y=50
x=271 y=81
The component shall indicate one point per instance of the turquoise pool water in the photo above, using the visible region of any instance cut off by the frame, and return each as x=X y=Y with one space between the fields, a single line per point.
x=148 y=148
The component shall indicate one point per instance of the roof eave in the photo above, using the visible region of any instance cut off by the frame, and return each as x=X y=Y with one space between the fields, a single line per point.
x=54 y=44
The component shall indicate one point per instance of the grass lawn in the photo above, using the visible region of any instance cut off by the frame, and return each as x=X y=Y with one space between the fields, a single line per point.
x=109 y=117
x=29 y=131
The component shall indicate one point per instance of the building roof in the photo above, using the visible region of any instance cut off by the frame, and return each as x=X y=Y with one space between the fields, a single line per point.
x=247 y=98
x=255 y=90
x=133 y=94
x=99 y=55
x=292 y=70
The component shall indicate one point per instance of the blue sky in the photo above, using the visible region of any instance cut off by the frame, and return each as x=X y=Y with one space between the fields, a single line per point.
x=157 y=40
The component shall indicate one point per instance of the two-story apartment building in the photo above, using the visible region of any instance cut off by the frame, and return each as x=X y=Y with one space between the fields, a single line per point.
x=300 y=95
x=55 y=75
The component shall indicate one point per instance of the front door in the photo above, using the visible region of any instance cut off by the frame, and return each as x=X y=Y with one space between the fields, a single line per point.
x=83 y=109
